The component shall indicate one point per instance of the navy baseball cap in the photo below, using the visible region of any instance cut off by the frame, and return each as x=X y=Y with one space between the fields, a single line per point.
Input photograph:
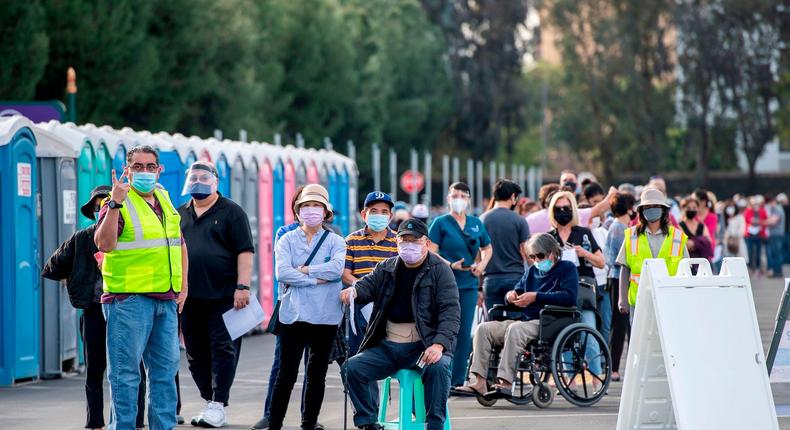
x=413 y=227
x=378 y=196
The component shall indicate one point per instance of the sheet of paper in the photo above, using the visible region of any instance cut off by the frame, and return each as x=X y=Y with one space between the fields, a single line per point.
x=367 y=310
x=570 y=255
x=243 y=320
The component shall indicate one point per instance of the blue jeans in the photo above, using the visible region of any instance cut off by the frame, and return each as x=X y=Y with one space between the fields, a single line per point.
x=755 y=246
x=605 y=311
x=775 y=254
x=495 y=289
x=385 y=359
x=463 y=346
x=593 y=351
x=142 y=328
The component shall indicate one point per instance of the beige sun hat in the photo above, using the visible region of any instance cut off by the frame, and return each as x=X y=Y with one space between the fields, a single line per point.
x=315 y=193
x=652 y=197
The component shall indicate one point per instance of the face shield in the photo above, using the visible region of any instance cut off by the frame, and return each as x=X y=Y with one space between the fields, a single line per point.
x=201 y=182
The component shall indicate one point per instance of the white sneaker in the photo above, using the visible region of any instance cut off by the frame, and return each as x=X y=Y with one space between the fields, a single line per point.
x=213 y=416
x=196 y=419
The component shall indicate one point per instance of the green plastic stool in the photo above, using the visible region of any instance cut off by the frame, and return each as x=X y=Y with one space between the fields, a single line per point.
x=410 y=388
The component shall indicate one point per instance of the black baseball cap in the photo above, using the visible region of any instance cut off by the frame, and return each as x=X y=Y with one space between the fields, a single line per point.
x=413 y=227
x=102 y=191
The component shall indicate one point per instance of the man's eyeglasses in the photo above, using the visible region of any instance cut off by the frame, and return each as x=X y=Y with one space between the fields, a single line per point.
x=538 y=256
x=139 y=167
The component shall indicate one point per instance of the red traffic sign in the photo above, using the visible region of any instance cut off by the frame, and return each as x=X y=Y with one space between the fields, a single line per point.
x=412 y=181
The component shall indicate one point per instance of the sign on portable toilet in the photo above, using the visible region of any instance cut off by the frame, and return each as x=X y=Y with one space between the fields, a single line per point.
x=57 y=221
x=19 y=272
x=696 y=360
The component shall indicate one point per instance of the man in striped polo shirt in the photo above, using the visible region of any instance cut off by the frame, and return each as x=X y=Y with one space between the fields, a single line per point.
x=367 y=247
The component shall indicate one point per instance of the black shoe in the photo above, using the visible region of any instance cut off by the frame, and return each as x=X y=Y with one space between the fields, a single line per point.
x=374 y=426
x=317 y=426
x=262 y=424
x=179 y=419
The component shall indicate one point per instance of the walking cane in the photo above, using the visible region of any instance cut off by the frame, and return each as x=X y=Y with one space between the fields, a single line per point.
x=346 y=353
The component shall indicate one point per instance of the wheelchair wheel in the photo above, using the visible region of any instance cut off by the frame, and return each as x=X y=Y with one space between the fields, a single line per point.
x=485 y=402
x=577 y=350
x=542 y=395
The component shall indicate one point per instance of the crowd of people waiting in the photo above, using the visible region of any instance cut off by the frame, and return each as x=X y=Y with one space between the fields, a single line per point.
x=148 y=270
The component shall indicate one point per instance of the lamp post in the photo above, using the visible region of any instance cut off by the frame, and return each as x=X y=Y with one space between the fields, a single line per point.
x=71 y=93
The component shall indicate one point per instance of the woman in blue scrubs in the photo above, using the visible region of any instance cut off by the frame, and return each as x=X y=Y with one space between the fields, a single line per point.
x=458 y=238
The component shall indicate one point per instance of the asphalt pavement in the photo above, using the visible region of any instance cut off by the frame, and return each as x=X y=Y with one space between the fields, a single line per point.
x=60 y=403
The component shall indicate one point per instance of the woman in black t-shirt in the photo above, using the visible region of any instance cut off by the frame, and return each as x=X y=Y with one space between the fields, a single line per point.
x=564 y=216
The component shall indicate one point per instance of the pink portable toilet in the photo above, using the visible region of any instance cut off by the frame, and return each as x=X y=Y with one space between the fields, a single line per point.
x=265 y=246
x=290 y=189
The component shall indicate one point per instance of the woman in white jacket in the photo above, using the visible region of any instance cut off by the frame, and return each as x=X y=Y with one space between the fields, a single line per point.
x=734 y=244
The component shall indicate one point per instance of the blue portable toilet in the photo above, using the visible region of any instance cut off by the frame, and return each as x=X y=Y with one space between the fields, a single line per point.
x=279 y=204
x=172 y=176
x=115 y=143
x=19 y=268
x=186 y=155
x=341 y=178
x=57 y=190
x=353 y=180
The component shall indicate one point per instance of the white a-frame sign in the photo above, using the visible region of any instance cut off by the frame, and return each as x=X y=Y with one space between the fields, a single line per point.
x=696 y=361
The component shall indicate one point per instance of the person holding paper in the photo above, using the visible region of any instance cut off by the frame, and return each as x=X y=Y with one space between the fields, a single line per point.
x=221 y=251
x=414 y=325
x=310 y=262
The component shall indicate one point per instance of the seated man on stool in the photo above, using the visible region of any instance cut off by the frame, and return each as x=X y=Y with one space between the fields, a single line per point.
x=416 y=315
x=549 y=281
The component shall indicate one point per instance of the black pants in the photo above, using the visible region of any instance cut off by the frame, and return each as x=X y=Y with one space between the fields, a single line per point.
x=621 y=326
x=293 y=340
x=94 y=344
x=211 y=353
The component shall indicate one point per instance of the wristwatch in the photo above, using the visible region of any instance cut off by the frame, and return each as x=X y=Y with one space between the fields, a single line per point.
x=242 y=287
x=114 y=205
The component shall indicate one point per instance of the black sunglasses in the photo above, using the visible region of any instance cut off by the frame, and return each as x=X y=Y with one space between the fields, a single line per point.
x=538 y=256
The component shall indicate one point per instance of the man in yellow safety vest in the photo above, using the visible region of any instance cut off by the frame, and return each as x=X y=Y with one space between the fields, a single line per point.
x=652 y=237
x=144 y=271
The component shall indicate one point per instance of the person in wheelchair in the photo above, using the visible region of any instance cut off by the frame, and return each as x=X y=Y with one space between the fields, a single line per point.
x=549 y=281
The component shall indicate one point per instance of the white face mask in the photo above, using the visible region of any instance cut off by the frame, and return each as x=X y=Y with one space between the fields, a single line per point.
x=458 y=205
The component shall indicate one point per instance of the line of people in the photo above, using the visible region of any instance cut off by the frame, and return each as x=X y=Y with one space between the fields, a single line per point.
x=416 y=286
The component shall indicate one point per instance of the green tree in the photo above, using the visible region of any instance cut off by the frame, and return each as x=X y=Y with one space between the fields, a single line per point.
x=24 y=48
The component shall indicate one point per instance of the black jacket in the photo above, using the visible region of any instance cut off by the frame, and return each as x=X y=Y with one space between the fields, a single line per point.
x=435 y=302
x=74 y=261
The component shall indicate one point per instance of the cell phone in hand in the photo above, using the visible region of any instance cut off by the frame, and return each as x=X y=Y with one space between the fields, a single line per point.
x=420 y=362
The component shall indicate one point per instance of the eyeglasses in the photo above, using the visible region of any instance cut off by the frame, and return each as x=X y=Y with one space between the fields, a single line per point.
x=139 y=167
x=407 y=239
x=200 y=178
x=563 y=208
x=538 y=256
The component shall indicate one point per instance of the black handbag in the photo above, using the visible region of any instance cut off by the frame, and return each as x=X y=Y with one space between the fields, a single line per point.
x=275 y=326
x=586 y=297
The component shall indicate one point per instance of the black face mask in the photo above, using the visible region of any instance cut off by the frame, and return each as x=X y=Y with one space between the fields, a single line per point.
x=563 y=217
x=691 y=214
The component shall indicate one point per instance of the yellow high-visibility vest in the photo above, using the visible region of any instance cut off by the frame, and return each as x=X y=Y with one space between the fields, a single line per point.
x=147 y=258
x=637 y=249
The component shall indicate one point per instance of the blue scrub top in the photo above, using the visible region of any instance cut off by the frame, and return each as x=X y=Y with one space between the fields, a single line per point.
x=446 y=233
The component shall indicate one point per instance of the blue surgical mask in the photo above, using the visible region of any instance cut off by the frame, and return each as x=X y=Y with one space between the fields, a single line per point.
x=653 y=214
x=144 y=181
x=200 y=191
x=96 y=216
x=377 y=222
x=544 y=265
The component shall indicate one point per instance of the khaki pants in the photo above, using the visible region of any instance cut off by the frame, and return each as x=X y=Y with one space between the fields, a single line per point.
x=514 y=335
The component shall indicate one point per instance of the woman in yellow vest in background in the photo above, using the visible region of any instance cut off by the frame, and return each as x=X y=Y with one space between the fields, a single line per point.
x=652 y=237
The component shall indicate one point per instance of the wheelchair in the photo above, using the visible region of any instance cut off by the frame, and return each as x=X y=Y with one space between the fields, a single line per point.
x=562 y=352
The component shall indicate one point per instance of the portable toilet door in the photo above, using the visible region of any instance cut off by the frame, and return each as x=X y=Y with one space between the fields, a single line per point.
x=278 y=205
x=119 y=159
x=102 y=165
x=331 y=187
x=85 y=163
x=19 y=271
x=188 y=161
x=313 y=174
x=341 y=184
x=301 y=172
x=290 y=188
x=265 y=246
x=223 y=169
x=238 y=178
x=353 y=181
x=58 y=221
x=248 y=200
